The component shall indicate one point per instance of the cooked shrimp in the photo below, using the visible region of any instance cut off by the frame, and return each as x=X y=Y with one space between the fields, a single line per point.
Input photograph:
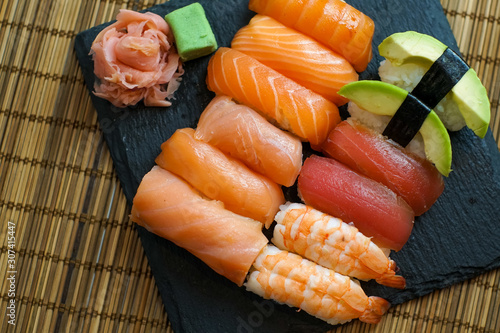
x=288 y=278
x=334 y=244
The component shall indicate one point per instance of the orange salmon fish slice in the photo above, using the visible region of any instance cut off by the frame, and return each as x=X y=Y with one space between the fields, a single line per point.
x=295 y=55
x=292 y=106
x=334 y=23
x=167 y=206
x=221 y=177
x=242 y=133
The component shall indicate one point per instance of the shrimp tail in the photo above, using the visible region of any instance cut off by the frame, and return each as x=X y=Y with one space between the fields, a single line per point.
x=390 y=279
x=376 y=309
x=393 y=281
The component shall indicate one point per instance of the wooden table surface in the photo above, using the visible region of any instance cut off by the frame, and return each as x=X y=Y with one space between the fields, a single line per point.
x=75 y=261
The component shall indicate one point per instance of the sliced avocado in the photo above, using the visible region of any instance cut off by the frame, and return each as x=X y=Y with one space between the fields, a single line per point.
x=385 y=99
x=472 y=100
x=469 y=93
x=411 y=47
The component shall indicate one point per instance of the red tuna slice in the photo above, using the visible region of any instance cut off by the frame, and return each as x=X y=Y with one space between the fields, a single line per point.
x=375 y=210
x=410 y=176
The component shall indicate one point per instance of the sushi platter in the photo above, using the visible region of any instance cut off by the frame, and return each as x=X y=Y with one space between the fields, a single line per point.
x=457 y=239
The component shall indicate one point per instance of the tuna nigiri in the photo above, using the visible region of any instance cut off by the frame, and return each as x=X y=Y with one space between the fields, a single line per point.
x=332 y=243
x=169 y=207
x=295 y=108
x=220 y=177
x=296 y=56
x=375 y=210
x=413 y=178
x=242 y=133
x=334 y=23
x=321 y=292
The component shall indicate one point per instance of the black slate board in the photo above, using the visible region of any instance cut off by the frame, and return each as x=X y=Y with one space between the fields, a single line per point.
x=457 y=239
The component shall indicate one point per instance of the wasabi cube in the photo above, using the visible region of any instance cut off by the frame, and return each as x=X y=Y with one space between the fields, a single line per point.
x=192 y=32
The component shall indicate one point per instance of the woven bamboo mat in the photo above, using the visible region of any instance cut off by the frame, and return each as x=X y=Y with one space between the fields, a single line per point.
x=79 y=265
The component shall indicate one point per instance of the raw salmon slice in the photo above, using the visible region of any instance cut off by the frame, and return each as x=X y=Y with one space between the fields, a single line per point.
x=221 y=177
x=293 y=107
x=170 y=208
x=375 y=210
x=413 y=178
x=242 y=133
x=334 y=23
x=296 y=56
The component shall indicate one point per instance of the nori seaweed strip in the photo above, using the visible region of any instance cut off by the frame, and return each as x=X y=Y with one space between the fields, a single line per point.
x=436 y=83
x=407 y=120
x=441 y=77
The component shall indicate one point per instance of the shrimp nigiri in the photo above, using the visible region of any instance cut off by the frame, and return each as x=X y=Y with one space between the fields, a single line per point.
x=290 y=279
x=294 y=108
x=334 y=23
x=334 y=244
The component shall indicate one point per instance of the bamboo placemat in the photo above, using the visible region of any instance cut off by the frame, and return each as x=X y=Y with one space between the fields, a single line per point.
x=79 y=265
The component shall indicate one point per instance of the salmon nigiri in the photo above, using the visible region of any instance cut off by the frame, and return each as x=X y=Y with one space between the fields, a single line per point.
x=295 y=108
x=221 y=177
x=410 y=176
x=334 y=23
x=167 y=206
x=242 y=133
x=295 y=55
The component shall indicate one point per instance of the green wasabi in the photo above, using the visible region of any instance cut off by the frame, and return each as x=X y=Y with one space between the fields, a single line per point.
x=192 y=32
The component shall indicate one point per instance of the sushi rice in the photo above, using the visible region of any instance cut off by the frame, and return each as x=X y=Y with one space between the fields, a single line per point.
x=407 y=76
x=379 y=123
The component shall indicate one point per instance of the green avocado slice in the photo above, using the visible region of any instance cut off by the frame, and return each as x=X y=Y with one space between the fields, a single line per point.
x=385 y=99
x=469 y=93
